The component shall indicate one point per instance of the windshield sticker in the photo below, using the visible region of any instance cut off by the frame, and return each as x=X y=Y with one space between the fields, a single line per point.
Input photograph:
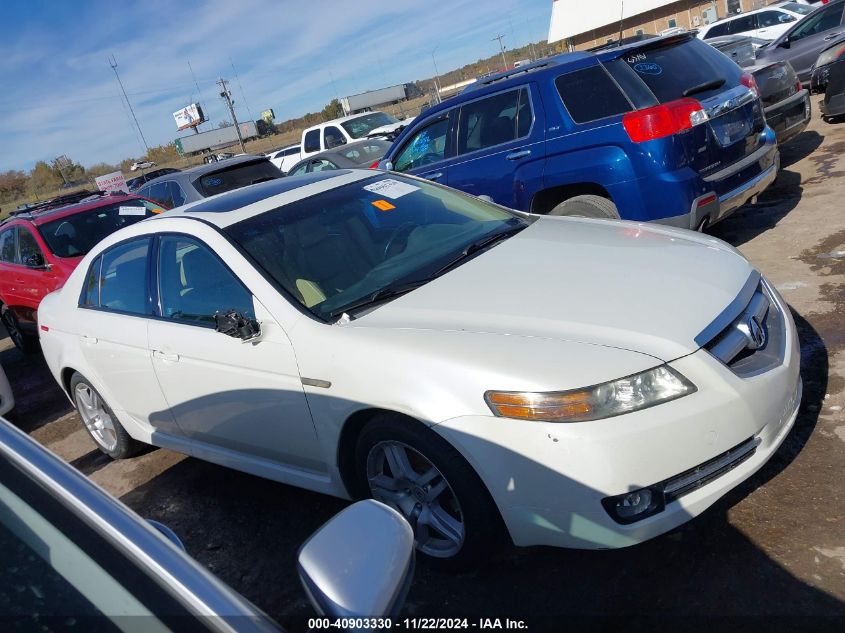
x=383 y=205
x=648 y=68
x=131 y=210
x=390 y=188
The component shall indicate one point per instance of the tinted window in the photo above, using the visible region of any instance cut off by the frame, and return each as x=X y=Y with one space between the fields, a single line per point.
x=744 y=24
x=360 y=126
x=291 y=151
x=175 y=195
x=333 y=137
x=801 y=9
x=157 y=192
x=590 y=94
x=524 y=115
x=7 y=245
x=194 y=284
x=74 y=235
x=28 y=247
x=91 y=289
x=717 y=30
x=237 y=176
x=771 y=18
x=123 y=281
x=670 y=70
x=427 y=145
x=823 y=20
x=487 y=122
x=312 y=141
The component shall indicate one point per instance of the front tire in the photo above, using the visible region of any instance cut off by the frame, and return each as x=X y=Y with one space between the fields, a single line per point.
x=419 y=474
x=99 y=420
x=26 y=343
x=587 y=206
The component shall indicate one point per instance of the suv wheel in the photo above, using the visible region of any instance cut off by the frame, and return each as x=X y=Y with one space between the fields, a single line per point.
x=26 y=343
x=588 y=206
x=419 y=474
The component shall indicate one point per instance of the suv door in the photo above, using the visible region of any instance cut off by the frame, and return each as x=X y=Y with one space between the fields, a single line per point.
x=227 y=396
x=499 y=147
x=802 y=45
x=427 y=150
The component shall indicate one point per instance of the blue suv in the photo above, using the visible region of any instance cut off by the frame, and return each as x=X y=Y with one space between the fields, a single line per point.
x=667 y=129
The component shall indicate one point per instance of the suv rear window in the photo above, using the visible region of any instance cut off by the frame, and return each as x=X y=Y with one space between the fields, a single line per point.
x=670 y=70
x=236 y=176
x=590 y=94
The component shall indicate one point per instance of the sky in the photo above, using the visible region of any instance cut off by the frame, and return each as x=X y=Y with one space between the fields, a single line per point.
x=60 y=96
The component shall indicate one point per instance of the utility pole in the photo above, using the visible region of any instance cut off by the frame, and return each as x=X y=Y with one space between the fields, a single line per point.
x=227 y=95
x=113 y=64
x=502 y=48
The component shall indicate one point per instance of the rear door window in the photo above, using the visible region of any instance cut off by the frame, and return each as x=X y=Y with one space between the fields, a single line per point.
x=590 y=94
x=744 y=24
x=123 y=280
x=7 y=246
x=312 y=141
x=491 y=121
x=333 y=137
x=669 y=71
x=236 y=176
x=718 y=30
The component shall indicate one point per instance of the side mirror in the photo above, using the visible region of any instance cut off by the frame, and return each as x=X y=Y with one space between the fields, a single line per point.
x=236 y=325
x=360 y=563
x=783 y=43
x=36 y=260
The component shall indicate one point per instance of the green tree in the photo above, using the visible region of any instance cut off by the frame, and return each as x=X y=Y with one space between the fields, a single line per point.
x=332 y=111
x=12 y=185
x=43 y=178
x=163 y=154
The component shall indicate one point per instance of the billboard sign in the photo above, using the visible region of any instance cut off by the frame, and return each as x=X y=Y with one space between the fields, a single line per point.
x=189 y=116
x=112 y=182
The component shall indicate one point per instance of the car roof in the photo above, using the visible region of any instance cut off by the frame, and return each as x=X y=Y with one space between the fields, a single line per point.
x=41 y=217
x=201 y=170
x=234 y=206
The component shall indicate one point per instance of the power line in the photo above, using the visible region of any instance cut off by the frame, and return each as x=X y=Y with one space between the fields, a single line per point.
x=243 y=95
x=113 y=64
x=502 y=48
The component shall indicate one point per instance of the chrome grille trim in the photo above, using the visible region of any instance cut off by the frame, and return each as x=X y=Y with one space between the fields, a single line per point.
x=686 y=482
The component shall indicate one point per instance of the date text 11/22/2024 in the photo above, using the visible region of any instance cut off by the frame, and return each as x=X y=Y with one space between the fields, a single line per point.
x=428 y=624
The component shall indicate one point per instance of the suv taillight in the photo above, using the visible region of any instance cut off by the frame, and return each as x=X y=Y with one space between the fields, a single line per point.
x=663 y=120
x=747 y=80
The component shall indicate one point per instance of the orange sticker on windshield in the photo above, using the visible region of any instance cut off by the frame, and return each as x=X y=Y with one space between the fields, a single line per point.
x=383 y=205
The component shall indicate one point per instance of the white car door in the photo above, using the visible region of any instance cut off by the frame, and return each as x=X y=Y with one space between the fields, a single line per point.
x=112 y=330
x=228 y=396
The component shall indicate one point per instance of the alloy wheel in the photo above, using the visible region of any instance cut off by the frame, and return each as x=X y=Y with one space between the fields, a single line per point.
x=406 y=480
x=13 y=330
x=96 y=418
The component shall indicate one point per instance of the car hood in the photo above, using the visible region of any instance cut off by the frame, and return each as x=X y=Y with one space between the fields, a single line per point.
x=631 y=286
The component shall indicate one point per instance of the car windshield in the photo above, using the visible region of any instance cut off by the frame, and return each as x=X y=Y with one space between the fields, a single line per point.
x=801 y=9
x=237 y=176
x=370 y=239
x=75 y=235
x=363 y=125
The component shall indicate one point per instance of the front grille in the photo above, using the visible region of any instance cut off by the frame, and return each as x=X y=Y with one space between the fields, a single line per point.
x=686 y=482
x=754 y=341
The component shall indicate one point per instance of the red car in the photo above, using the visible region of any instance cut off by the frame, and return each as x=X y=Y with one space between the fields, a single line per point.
x=39 y=250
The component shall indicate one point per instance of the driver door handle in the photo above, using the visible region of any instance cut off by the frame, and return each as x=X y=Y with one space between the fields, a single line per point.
x=520 y=154
x=166 y=356
x=433 y=175
x=88 y=340
x=831 y=36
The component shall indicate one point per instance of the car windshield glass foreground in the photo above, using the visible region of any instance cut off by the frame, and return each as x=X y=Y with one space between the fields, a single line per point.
x=75 y=235
x=371 y=240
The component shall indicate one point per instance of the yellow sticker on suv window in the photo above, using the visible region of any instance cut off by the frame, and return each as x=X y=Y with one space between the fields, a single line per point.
x=383 y=205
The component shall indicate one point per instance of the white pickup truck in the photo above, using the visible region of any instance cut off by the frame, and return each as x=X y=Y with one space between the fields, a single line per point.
x=347 y=129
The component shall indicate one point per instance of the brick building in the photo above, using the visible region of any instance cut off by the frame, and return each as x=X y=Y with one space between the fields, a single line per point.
x=580 y=24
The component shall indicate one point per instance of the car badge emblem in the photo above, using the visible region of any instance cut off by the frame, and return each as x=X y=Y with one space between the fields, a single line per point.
x=753 y=332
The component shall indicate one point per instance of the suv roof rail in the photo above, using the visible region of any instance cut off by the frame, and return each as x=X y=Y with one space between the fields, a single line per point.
x=507 y=74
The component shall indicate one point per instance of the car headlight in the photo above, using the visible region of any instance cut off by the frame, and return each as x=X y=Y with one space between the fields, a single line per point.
x=829 y=56
x=606 y=400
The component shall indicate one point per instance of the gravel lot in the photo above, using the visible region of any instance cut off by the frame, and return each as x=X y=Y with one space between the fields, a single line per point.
x=774 y=548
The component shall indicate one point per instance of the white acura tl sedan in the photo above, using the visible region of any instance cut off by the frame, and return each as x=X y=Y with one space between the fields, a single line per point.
x=564 y=381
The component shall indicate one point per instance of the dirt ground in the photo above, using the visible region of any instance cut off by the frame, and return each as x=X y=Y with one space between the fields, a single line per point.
x=770 y=554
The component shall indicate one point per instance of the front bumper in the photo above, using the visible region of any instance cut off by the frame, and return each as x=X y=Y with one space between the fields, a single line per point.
x=548 y=480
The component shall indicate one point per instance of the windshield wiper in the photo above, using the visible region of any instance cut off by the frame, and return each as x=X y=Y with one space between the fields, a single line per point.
x=383 y=294
x=474 y=247
x=707 y=85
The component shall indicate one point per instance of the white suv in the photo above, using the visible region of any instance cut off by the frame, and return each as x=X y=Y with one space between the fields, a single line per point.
x=766 y=24
x=355 y=127
x=285 y=158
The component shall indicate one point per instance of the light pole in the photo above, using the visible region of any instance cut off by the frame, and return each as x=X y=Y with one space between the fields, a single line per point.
x=436 y=75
